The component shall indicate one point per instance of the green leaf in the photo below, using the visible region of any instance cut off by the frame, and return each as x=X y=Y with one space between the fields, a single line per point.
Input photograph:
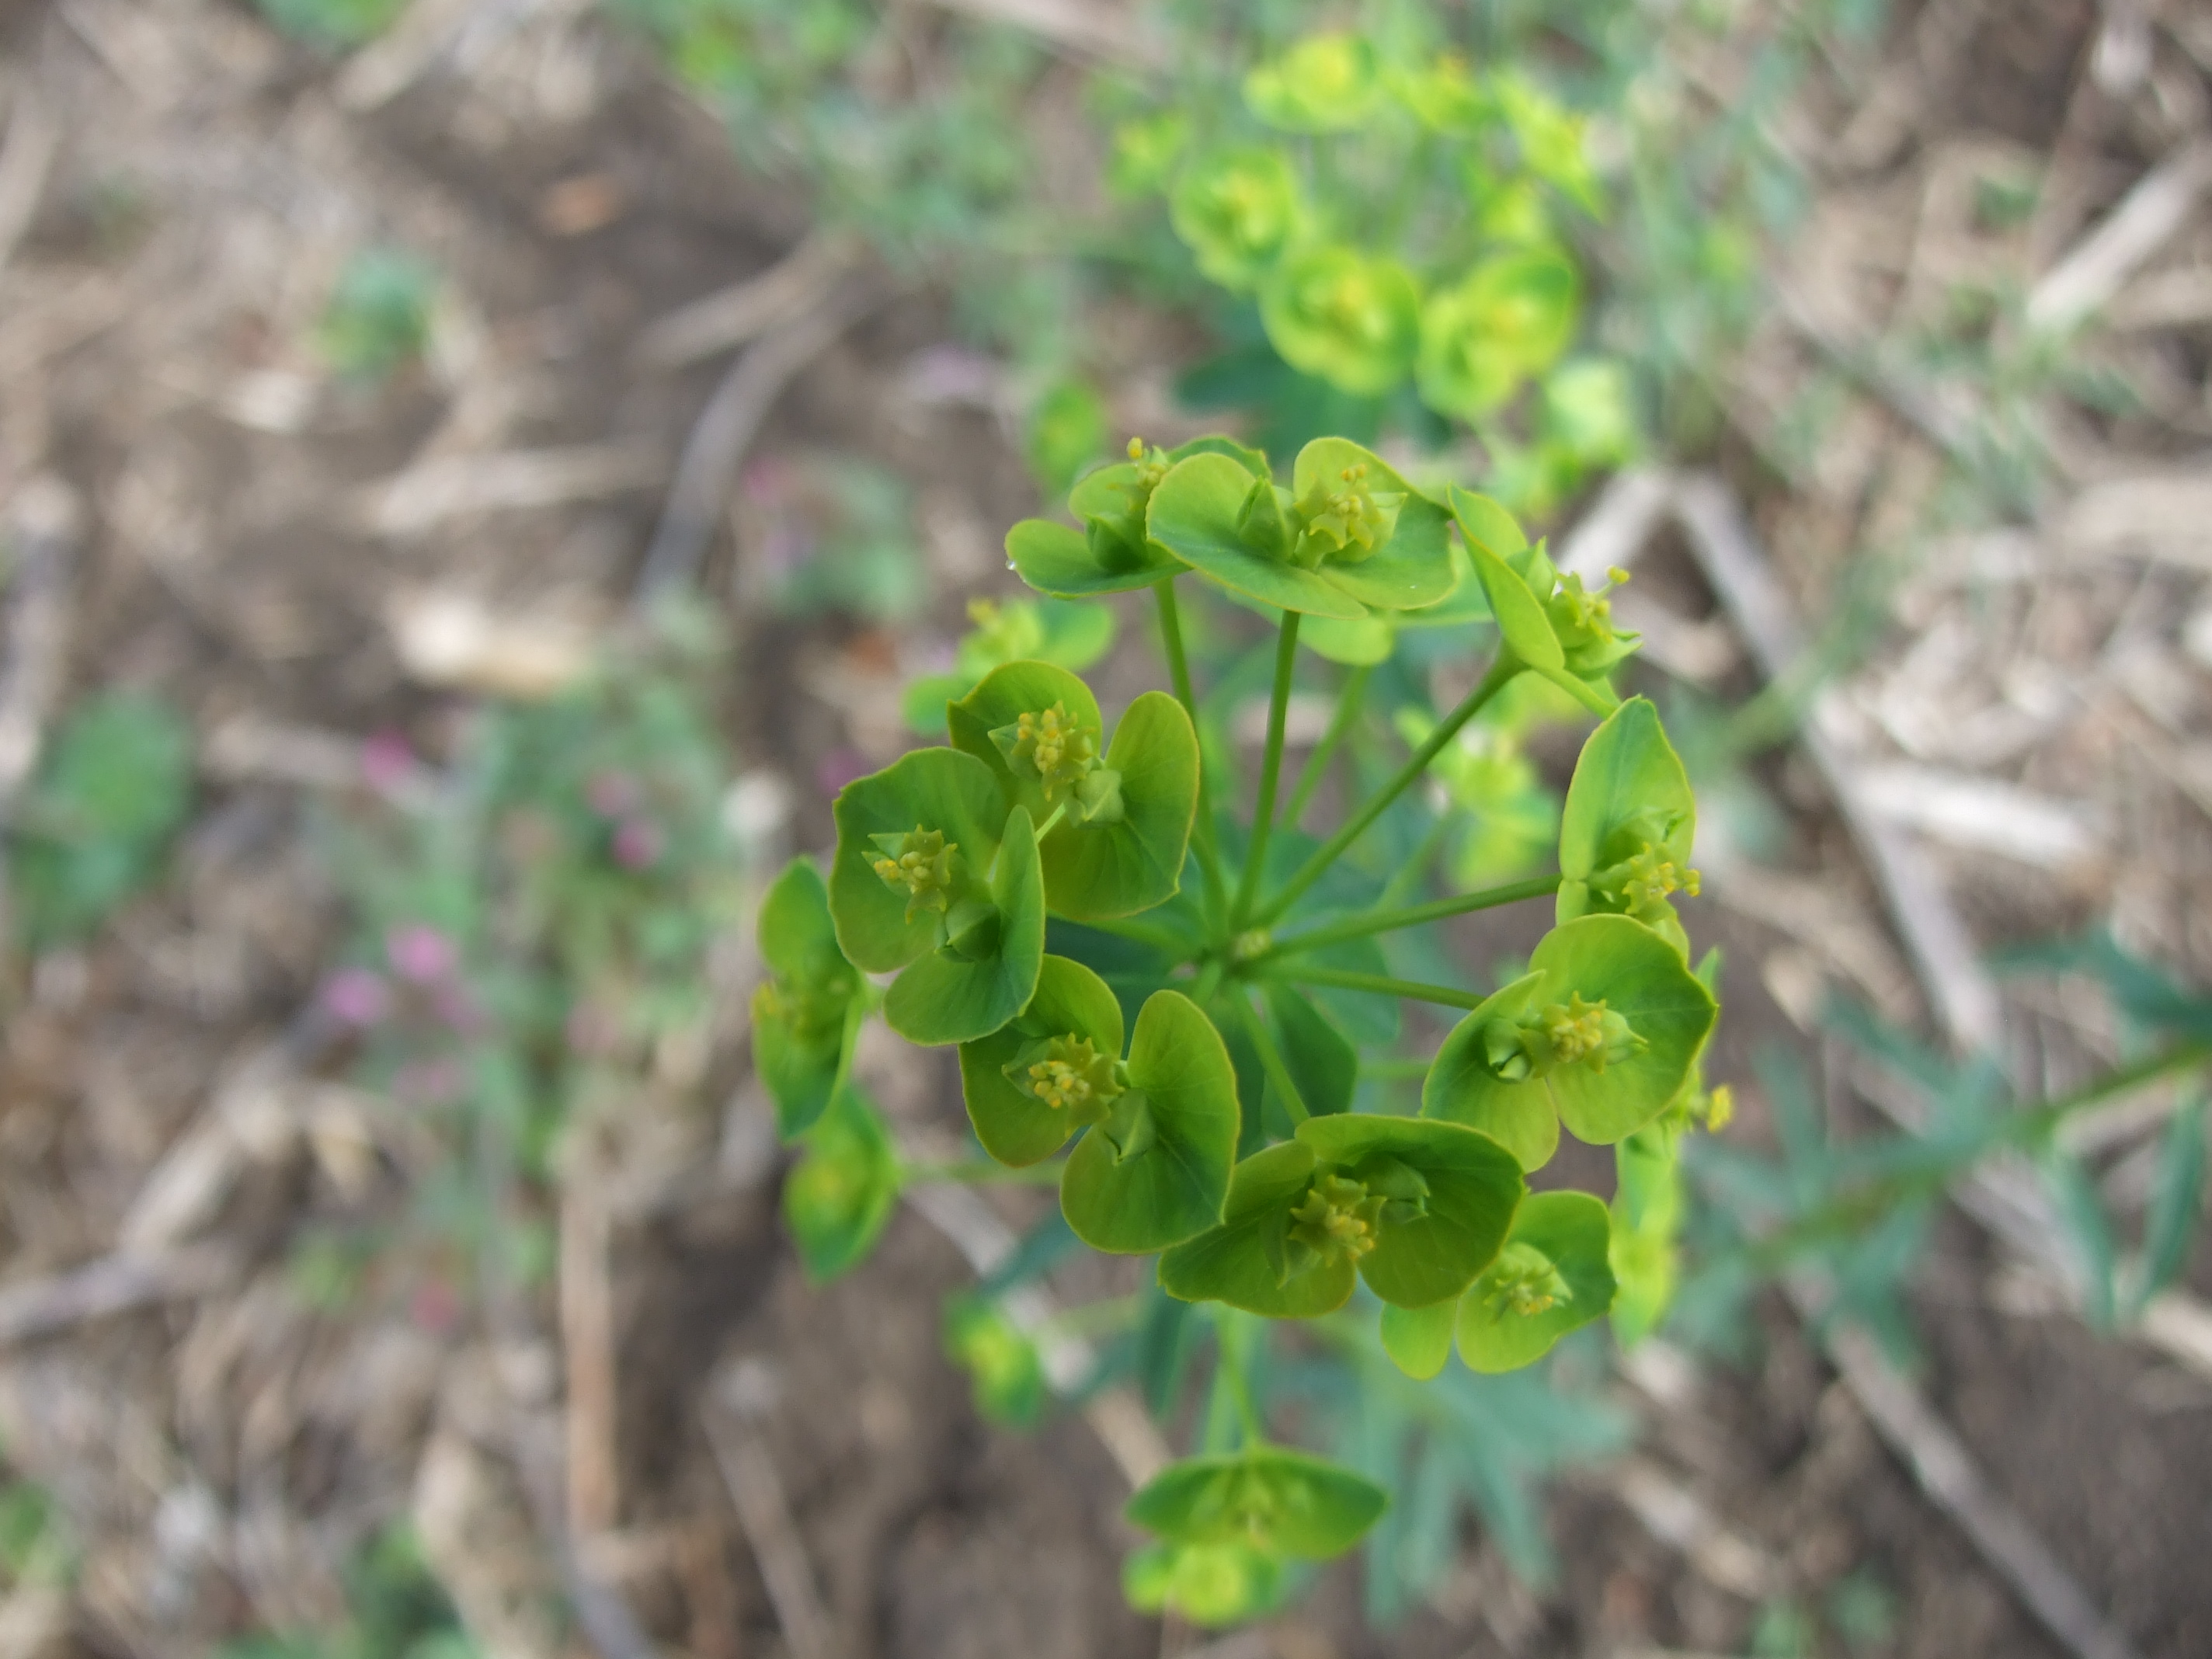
x=838 y=1197
x=1553 y=1277
x=1450 y=1197
x=1195 y=514
x=1000 y=1358
x=1271 y=1497
x=1209 y=1584
x=1320 y=1058
x=1519 y=611
x=1349 y=318
x=959 y=993
x=111 y=791
x=2177 y=1198
x=1241 y=1261
x=1587 y=975
x=1158 y=1171
x=937 y=789
x=1015 y=1126
x=1419 y=1340
x=1511 y=318
x=1629 y=824
x=1127 y=855
x=1413 y=566
x=1327 y=82
x=1237 y=210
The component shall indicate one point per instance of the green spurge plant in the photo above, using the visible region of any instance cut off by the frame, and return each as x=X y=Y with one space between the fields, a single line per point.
x=1155 y=1000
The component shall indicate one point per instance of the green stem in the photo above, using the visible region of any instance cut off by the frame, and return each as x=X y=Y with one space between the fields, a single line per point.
x=1501 y=671
x=1348 y=703
x=1396 y=1067
x=1052 y=822
x=1382 y=985
x=1238 y=1331
x=1209 y=855
x=981 y=1172
x=1271 y=1058
x=1208 y=983
x=1387 y=921
x=1271 y=769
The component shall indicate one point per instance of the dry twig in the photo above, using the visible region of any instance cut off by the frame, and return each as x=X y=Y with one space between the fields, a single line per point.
x=2146 y=219
x=743 y=311
x=111 y=1284
x=757 y=1491
x=25 y=158
x=588 y=1342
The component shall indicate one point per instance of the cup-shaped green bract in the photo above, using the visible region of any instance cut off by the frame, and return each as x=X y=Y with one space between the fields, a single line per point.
x=843 y=1189
x=802 y=1013
x=1000 y=1358
x=1349 y=533
x=1416 y=1212
x=1325 y=83
x=1598 y=1035
x=1209 y=1584
x=1071 y=636
x=1125 y=808
x=1053 y=1071
x=1630 y=822
x=1419 y=1340
x=1114 y=552
x=1549 y=623
x=1349 y=318
x=1237 y=210
x=935 y=876
x=1510 y=318
x=1268 y=1498
x=1156 y=1170
x=1552 y=1278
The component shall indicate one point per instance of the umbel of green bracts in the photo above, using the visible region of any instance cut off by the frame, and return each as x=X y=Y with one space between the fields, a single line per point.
x=1119 y=814
x=1553 y=1277
x=805 y=1012
x=1114 y=552
x=1510 y=319
x=1209 y=1584
x=1000 y=1358
x=1416 y=1209
x=1067 y=636
x=1269 y=1499
x=1600 y=1033
x=1237 y=210
x=934 y=877
x=1327 y=82
x=1351 y=318
x=1629 y=821
x=1350 y=533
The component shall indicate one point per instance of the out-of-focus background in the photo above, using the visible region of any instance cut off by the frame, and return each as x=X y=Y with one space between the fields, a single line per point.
x=476 y=475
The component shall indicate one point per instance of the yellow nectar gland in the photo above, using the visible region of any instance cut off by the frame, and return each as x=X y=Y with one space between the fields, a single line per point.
x=1352 y=515
x=1524 y=1281
x=1073 y=1076
x=1648 y=877
x=1062 y=751
x=920 y=865
x=1337 y=1218
x=1590 y=614
x=1577 y=1031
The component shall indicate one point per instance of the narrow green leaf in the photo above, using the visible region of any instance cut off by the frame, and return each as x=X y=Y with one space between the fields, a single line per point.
x=2177 y=1199
x=1322 y=1060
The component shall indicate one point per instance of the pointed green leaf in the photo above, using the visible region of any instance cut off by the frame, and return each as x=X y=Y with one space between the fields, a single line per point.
x=1242 y=1262
x=1195 y=515
x=1284 y=1502
x=1158 y=1171
x=838 y=1196
x=1015 y=1126
x=1553 y=1277
x=2177 y=1199
x=1321 y=1060
x=1419 y=1340
x=951 y=997
x=1450 y=1196
x=937 y=789
x=1518 y=609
